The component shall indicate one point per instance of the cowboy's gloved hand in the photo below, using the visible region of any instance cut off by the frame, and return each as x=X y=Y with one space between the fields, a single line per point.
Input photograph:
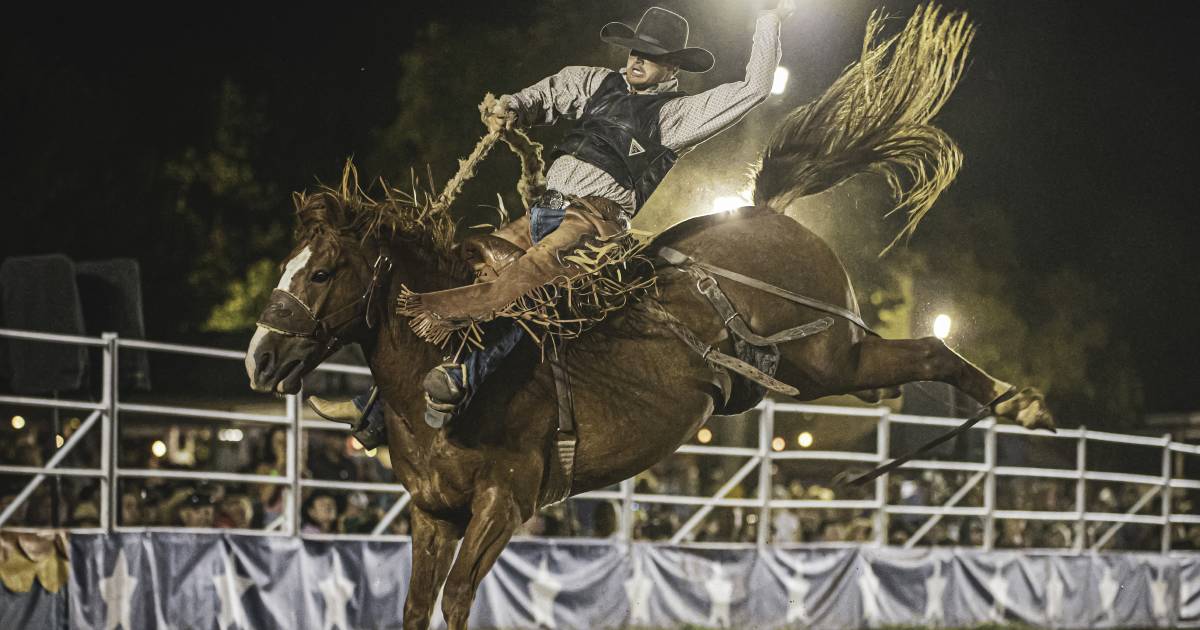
x=785 y=9
x=501 y=116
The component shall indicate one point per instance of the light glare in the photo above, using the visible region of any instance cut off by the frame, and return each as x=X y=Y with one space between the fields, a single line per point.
x=704 y=436
x=158 y=448
x=778 y=443
x=805 y=439
x=729 y=203
x=941 y=326
x=18 y=422
x=780 y=82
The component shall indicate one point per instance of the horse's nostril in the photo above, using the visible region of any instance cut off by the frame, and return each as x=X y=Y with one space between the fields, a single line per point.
x=265 y=360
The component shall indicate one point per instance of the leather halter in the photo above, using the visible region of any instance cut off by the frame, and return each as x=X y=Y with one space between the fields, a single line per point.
x=288 y=315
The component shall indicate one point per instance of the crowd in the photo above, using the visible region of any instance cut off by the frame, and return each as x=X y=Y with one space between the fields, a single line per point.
x=168 y=501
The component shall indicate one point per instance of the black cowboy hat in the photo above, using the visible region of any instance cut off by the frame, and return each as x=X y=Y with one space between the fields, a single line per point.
x=663 y=34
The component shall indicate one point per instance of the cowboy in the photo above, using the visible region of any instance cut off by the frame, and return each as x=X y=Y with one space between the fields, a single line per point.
x=633 y=124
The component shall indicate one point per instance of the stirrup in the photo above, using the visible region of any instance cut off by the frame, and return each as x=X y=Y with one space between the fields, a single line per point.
x=443 y=395
x=438 y=415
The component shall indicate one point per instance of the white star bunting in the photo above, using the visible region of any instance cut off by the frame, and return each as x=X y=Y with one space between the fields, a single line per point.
x=868 y=586
x=1160 y=602
x=230 y=588
x=1055 y=589
x=542 y=591
x=117 y=592
x=1109 y=587
x=935 y=589
x=720 y=593
x=637 y=589
x=797 y=591
x=336 y=590
x=998 y=585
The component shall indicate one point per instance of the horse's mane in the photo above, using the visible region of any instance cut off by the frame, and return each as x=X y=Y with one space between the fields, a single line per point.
x=407 y=215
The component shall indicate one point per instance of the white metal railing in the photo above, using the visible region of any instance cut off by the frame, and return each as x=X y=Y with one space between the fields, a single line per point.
x=107 y=415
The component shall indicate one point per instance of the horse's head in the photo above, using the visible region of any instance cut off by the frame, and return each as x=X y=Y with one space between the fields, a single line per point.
x=323 y=299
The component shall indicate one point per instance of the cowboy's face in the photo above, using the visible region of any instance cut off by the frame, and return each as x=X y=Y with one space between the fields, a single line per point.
x=643 y=69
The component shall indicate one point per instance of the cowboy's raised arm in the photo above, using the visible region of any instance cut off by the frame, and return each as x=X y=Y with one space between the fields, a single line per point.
x=562 y=94
x=690 y=120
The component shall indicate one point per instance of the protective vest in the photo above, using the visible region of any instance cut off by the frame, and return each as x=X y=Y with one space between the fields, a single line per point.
x=618 y=132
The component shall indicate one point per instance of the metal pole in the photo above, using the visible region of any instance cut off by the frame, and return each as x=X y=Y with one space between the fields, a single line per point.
x=291 y=501
x=883 y=449
x=110 y=488
x=1166 y=494
x=56 y=487
x=1080 y=490
x=55 y=460
x=766 y=431
x=989 y=487
x=627 y=510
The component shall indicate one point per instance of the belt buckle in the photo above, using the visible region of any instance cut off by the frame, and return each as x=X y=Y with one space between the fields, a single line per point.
x=552 y=200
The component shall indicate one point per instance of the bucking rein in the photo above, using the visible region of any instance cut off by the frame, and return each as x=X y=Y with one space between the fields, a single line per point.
x=532 y=184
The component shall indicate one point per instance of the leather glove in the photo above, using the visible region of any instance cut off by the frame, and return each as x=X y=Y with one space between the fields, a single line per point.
x=501 y=116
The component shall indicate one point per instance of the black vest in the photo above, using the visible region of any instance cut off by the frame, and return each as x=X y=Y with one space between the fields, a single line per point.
x=618 y=132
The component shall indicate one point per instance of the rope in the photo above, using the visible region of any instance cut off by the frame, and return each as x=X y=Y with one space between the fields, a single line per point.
x=530 y=185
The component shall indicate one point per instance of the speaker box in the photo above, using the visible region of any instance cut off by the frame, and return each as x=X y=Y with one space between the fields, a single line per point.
x=39 y=293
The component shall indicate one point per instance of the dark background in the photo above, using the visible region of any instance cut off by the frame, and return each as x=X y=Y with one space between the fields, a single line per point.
x=174 y=135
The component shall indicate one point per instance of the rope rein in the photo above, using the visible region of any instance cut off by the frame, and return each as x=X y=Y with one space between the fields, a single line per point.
x=532 y=182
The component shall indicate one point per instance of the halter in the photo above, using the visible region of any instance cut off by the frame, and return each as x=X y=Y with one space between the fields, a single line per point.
x=288 y=315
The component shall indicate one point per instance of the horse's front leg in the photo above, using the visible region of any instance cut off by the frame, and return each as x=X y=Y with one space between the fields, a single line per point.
x=494 y=517
x=433 y=542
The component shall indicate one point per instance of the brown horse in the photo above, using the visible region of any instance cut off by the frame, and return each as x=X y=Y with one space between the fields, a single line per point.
x=639 y=392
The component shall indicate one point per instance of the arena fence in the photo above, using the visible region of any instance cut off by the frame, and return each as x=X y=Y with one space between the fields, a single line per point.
x=106 y=415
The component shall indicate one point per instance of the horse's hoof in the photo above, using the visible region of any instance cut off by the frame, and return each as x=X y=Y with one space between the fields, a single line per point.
x=1028 y=408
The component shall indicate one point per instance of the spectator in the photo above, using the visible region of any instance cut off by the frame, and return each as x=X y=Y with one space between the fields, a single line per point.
x=237 y=512
x=131 y=508
x=196 y=510
x=320 y=513
x=85 y=514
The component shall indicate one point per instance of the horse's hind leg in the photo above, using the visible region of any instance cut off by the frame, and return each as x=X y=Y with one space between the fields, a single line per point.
x=494 y=518
x=874 y=362
x=433 y=542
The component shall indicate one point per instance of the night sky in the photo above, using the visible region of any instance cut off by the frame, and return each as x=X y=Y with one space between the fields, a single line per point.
x=1075 y=117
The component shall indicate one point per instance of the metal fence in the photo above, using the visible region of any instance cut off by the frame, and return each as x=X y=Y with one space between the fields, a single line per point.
x=105 y=416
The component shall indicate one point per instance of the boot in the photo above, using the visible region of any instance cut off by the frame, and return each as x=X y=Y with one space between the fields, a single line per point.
x=443 y=394
x=344 y=411
x=368 y=428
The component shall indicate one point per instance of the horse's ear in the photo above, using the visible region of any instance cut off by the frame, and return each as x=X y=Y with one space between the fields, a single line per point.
x=298 y=200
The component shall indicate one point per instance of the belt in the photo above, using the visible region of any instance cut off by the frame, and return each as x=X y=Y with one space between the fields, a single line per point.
x=552 y=200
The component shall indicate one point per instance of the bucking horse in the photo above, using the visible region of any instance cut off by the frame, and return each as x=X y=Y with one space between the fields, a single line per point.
x=646 y=376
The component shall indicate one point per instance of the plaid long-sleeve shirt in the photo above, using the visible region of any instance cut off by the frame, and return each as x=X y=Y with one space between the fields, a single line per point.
x=684 y=122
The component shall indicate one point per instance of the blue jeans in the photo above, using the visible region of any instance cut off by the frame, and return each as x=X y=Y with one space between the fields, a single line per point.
x=500 y=335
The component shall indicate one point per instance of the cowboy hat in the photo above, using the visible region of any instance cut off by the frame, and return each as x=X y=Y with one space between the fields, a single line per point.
x=661 y=33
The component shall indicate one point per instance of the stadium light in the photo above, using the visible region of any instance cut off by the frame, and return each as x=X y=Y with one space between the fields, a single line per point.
x=158 y=448
x=704 y=435
x=781 y=80
x=805 y=439
x=18 y=423
x=778 y=443
x=941 y=326
x=729 y=203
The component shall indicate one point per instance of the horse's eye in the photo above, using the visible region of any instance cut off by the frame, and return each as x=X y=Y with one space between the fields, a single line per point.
x=319 y=275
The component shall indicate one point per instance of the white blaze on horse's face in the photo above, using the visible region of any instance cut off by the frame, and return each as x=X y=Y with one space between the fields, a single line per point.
x=290 y=270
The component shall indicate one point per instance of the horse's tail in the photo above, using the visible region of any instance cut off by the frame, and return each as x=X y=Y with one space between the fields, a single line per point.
x=875 y=118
